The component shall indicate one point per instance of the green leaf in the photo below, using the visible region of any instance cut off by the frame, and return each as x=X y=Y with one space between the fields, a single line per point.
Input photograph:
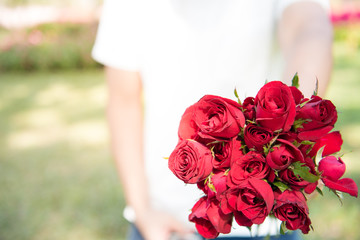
x=298 y=123
x=282 y=186
x=338 y=194
x=316 y=87
x=249 y=228
x=319 y=154
x=295 y=81
x=211 y=186
x=212 y=151
x=250 y=121
x=307 y=143
x=266 y=150
x=209 y=183
x=268 y=147
x=283 y=228
x=214 y=142
x=338 y=154
x=296 y=143
x=272 y=141
x=304 y=103
x=319 y=191
x=303 y=171
x=237 y=95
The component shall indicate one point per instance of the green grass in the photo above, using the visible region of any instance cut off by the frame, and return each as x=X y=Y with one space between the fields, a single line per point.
x=57 y=178
x=332 y=220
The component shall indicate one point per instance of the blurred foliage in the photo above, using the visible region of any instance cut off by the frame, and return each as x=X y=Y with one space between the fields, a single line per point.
x=348 y=37
x=57 y=46
x=14 y=3
x=47 y=47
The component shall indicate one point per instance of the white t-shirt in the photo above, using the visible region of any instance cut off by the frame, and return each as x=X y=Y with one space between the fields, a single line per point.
x=185 y=49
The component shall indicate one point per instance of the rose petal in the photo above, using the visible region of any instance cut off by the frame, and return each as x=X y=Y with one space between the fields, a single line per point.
x=346 y=185
x=221 y=222
x=297 y=94
x=242 y=220
x=199 y=209
x=332 y=142
x=206 y=229
x=264 y=190
x=314 y=134
x=187 y=128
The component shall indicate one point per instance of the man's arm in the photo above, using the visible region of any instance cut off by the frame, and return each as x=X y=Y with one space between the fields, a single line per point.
x=124 y=113
x=305 y=36
x=125 y=118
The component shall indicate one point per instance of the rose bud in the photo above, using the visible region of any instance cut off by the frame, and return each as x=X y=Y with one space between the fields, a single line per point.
x=253 y=165
x=291 y=207
x=283 y=154
x=251 y=201
x=212 y=118
x=332 y=142
x=332 y=170
x=224 y=152
x=190 y=161
x=296 y=182
x=249 y=108
x=275 y=106
x=257 y=137
x=321 y=115
x=209 y=219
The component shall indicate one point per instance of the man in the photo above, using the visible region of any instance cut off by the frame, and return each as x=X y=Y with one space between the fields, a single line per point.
x=165 y=54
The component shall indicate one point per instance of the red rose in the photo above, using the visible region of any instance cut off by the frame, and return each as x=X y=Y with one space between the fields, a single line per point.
x=209 y=219
x=224 y=152
x=332 y=142
x=296 y=182
x=283 y=154
x=249 y=108
x=202 y=223
x=291 y=207
x=275 y=106
x=256 y=137
x=321 y=115
x=191 y=161
x=253 y=165
x=251 y=201
x=212 y=118
x=332 y=170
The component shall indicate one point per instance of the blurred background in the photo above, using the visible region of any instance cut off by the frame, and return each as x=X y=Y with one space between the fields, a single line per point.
x=57 y=177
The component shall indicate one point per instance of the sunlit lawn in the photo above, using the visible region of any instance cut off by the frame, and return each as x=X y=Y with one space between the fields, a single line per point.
x=58 y=181
x=331 y=220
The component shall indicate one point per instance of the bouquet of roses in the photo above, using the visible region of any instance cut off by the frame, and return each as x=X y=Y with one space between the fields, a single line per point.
x=259 y=158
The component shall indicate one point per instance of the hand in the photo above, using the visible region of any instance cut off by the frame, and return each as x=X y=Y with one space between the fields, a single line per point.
x=157 y=225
